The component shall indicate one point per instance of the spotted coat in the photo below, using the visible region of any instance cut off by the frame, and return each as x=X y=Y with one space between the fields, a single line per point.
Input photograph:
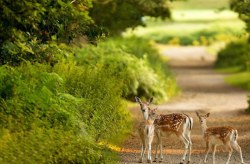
x=221 y=133
x=170 y=122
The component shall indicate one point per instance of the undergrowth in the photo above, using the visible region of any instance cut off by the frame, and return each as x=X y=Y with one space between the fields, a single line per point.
x=60 y=112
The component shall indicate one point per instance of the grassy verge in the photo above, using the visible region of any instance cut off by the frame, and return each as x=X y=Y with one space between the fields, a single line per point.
x=192 y=27
x=240 y=79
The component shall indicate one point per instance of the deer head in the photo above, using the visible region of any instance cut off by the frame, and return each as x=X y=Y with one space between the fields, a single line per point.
x=152 y=114
x=144 y=106
x=202 y=118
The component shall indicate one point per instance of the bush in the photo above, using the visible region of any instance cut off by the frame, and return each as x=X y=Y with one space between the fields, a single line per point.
x=203 y=37
x=234 y=54
x=31 y=96
x=51 y=146
x=141 y=69
x=43 y=105
x=14 y=53
x=101 y=90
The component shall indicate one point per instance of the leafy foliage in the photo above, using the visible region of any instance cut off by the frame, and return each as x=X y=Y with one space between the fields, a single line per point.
x=57 y=104
x=243 y=8
x=44 y=19
x=51 y=146
x=79 y=97
x=102 y=93
x=117 y=15
x=141 y=69
x=27 y=27
x=41 y=104
x=234 y=54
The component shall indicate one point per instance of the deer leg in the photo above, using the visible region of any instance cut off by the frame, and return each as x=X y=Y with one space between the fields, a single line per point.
x=149 y=160
x=143 y=148
x=161 y=156
x=156 y=154
x=236 y=146
x=156 y=146
x=149 y=147
x=214 y=150
x=207 y=151
x=189 y=145
x=230 y=151
x=186 y=144
x=158 y=142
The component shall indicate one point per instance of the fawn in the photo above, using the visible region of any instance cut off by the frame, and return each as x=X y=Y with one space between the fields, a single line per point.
x=146 y=132
x=214 y=136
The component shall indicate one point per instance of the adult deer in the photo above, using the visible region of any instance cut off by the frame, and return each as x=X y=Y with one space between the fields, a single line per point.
x=146 y=132
x=144 y=106
x=165 y=125
x=214 y=136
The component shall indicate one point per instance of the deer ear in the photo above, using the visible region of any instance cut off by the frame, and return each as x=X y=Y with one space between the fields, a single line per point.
x=137 y=99
x=155 y=109
x=150 y=100
x=197 y=114
x=207 y=115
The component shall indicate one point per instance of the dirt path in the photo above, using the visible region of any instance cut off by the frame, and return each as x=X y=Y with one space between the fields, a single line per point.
x=203 y=89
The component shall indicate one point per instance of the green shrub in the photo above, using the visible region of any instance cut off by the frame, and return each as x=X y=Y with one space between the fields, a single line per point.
x=141 y=69
x=234 y=54
x=14 y=53
x=101 y=90
x=203 y=37
x=32 y=96
x=73 y=100
x=51 y=146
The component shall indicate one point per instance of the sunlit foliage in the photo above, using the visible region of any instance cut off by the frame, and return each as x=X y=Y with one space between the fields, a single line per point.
x=243 y=8
x=117 y=15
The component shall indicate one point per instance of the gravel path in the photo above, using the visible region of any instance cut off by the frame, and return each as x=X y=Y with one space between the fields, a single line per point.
x=203 y=89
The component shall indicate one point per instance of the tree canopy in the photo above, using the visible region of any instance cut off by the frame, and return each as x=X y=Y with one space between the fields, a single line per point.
x=29 y=29
x=117 y=15
x=243 y=8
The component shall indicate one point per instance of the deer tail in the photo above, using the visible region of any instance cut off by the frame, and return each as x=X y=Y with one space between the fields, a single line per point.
x=235 y=135
x=190 y=121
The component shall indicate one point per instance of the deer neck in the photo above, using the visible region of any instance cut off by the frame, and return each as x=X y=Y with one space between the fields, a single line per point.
x=203 y=127
x=145 y=115
x=149 y=122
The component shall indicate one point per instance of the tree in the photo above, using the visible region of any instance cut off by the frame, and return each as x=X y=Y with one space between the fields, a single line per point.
x=28 y=25
x=33 y=29
x=243 y=8
x=117 y=15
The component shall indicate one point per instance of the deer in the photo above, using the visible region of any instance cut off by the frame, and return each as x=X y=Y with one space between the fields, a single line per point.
x=167 y=124
x=146 y=133
x=222 y=135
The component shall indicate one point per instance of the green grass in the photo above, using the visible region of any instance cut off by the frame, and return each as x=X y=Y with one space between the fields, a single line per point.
x=200 y=4
x=188 y=26
x=231 y=70
x=241 y=79
x=236 y=77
